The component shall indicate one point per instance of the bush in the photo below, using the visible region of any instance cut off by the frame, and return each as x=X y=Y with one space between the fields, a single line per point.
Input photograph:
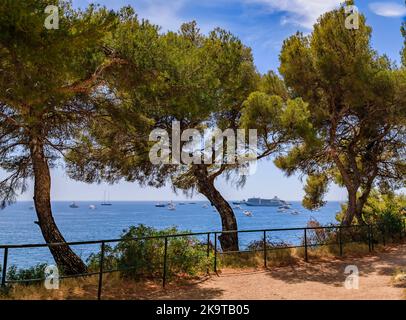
x=386 y=209
x=36 y=272
x=186 y=255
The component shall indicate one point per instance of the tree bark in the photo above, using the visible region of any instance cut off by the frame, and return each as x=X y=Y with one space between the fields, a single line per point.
x=67 y=261
x=228 y=241
x=352 y=207
x=355 y=207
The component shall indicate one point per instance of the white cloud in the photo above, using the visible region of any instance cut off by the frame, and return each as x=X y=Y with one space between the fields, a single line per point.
x=388 y=9
x=166 y=14
x=299 y=12
x=171 y=14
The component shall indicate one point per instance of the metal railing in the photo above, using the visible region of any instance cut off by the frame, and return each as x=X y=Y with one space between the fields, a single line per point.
x=371 y=231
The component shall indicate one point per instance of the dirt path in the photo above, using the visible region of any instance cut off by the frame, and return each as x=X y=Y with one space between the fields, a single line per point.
x=313 y=280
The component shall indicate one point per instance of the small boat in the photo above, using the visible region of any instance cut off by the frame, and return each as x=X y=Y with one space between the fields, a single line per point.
x=73 y=205
x=238 y=207
x=92 y=207
x=205 y=206
x=32 y=208
x=182 y=203
x=192 y=202
x=160 y=205
x=171 y=206
x=295 y=212
x=239 y=202
x=248 y=213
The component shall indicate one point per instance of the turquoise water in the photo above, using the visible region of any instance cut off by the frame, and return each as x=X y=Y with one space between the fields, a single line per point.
x=107 y=222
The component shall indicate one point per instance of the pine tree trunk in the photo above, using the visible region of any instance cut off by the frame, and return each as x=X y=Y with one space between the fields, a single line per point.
x=355 y=207
x=228 y=241
x=67 y=261
x=351 y=209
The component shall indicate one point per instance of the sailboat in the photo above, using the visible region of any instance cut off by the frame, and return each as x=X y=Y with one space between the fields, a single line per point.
x=105 y=200
x=171 y=206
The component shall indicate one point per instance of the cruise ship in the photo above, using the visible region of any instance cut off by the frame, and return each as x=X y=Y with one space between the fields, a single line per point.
x=259 y=202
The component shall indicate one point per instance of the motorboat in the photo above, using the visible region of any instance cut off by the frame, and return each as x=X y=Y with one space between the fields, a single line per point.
x=248 y=213
x=92 y=207
x=238 y=202
x=73 y=205
x=160 y=205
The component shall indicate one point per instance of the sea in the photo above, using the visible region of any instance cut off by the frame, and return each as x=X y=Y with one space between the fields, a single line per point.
x=17 y=224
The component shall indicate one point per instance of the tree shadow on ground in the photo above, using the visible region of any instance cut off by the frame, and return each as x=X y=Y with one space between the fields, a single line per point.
x=149 y=290
x=333 y=271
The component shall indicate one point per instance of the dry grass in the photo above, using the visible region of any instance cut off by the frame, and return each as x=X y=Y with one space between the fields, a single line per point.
x=114 y=287
x=279 y=257
x=282 y=257
x=399 y=279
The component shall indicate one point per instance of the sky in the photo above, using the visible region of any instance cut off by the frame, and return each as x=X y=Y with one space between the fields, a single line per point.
x=261 y=25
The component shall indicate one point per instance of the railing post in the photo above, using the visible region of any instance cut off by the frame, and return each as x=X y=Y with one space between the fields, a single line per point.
x=101 y=268
x=265 y=250
x=215 y=252
x=208 y=252
x=4 y=269
x=165 y=262
x=305 y=244
x=340 y=239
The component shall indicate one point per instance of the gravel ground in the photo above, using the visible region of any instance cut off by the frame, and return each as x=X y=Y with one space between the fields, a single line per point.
x=323 y=279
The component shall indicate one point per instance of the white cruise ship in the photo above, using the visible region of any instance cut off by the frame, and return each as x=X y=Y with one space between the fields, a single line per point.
x=259 y=202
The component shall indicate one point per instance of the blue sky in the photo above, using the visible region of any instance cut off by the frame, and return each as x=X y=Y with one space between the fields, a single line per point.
x=262 y=25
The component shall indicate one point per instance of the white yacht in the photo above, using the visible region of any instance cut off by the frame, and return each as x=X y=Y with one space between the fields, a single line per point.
x=73 y=205
x=248 y=213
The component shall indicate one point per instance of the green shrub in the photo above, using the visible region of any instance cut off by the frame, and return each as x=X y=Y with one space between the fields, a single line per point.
x=385 y=209
x=36 y=272
x=144 y=258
